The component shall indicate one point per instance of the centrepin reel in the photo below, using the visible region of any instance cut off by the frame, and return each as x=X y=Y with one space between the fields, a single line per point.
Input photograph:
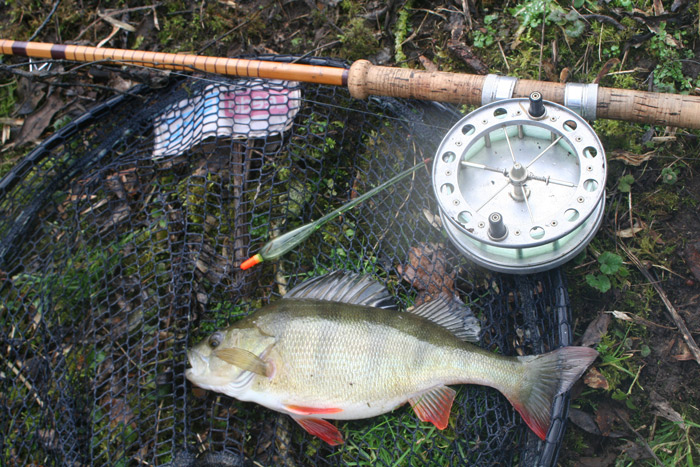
x=521 y=184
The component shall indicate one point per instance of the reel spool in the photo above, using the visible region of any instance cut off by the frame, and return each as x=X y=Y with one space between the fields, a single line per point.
x=520 y=184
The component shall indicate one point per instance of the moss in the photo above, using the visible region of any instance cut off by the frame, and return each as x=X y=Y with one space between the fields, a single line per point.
x=358 y=40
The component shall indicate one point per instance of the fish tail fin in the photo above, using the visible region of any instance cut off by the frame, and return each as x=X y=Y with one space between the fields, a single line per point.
x=546 y=376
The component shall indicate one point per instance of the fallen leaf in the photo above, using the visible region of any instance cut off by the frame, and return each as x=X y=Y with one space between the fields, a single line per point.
x=37 y=122
x=605 y=69
x=604 y=461
x=685 y=354
x=30 y=94
x=466 y=53
x=692 y=258
x=663 y=409
x=605 y=416
x=432 y=219
x=564 y=75
x=658 y=8
x=630 y=158
x=595 y=379
x=631 y=231
x=427 y=63
x=426 y=272
x=584 y=420
x=596 y=330
x=635 y=451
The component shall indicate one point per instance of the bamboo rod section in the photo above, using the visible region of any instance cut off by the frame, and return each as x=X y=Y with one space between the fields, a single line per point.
x=219 y=65
x=364 y=79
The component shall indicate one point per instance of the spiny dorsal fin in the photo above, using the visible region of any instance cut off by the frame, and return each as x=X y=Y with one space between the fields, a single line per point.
x=453 y=316
x=344 y=287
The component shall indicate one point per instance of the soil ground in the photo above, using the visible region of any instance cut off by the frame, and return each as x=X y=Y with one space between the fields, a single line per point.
x=647 y=379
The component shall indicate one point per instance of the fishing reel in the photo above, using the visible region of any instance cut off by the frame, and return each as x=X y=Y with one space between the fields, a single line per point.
x=520 y=184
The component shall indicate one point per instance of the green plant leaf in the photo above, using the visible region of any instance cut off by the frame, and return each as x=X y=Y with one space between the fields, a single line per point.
x=609 y=262
x=625 y=183
x=669 y=176
x=645 y=351
x=599 y=282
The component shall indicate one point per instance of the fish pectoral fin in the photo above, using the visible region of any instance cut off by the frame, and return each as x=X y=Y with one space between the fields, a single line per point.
x=244 y=360
x=321 y=428
x=301 y=410
x=434 y=406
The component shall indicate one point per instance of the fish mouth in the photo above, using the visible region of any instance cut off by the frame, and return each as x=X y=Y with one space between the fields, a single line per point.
x=198 y=365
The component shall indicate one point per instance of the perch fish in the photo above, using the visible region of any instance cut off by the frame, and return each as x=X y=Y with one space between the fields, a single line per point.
x=335 y=347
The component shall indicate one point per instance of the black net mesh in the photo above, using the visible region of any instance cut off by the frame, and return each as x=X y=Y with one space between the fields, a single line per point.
x=119 y=247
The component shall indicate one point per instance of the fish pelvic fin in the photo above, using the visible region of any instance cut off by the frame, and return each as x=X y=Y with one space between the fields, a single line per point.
x=302 y=410
x=434 y=406
x=244 y=360
x=321 y=428
x=546 y=376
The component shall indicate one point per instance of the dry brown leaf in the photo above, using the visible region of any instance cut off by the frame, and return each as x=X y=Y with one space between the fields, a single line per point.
x=606 y=69
x=37 y=122
x=595 y=379
x=631 y=231
x=630 y=158
x=427 y=273
x=605 y=416
x=584 y=420
x=692 y=258
x=596 y=330
x=427 y=63
x=663 y=409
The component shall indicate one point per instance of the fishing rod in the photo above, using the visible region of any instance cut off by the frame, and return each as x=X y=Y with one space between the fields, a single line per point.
x=364 y=79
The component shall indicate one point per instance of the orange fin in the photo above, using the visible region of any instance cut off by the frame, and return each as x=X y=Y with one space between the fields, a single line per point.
x=547 y=376
x=321 y=428
x=434 y=406
x=301 y=410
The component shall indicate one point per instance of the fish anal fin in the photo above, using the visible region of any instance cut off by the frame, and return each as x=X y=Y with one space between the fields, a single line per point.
x=321 y=428
x=434 y=406
x=302 y=410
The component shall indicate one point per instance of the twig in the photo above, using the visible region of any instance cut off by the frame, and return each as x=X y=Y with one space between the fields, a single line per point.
x=227 y=33
x=17 y=371
x=604 y=19
x=544 y=16
x=677 y=318
x=646 y=445
x=46 y=21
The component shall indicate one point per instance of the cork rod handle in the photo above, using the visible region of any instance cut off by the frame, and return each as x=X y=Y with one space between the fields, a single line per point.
x=655 y=108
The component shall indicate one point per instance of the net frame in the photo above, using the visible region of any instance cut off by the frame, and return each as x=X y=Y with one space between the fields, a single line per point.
x=98 y=377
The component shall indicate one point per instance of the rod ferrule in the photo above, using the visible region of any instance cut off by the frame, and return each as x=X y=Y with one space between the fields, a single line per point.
x=496 y=88
x=582 y=99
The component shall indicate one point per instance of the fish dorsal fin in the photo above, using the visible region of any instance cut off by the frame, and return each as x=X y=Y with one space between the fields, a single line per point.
x=454 y=316
x=344 y=287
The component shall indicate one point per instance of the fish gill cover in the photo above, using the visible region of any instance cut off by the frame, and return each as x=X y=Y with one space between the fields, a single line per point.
x=114 y=262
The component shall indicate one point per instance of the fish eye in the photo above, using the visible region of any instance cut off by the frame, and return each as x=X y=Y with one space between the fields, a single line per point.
x=215 y=340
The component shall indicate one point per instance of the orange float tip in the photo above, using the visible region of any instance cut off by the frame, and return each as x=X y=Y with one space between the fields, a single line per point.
x=252 y=261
